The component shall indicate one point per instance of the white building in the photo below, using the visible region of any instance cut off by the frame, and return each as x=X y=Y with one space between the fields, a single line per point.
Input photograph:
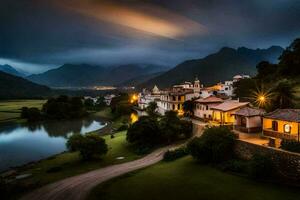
x=203 y=107
x=108 y=98
x=145 y=97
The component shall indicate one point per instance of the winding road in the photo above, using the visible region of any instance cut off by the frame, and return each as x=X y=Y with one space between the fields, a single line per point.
x=78 y=187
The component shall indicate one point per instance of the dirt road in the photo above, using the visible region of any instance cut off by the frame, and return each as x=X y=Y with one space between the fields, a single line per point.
x=78 y=187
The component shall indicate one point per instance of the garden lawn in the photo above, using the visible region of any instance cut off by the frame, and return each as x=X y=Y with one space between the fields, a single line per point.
x=186 y=179
x=69 y=164
x=10 y=110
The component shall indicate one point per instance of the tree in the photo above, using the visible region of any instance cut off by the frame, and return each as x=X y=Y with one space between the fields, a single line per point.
x=144 y=133
x=267 y=72
x=244 y=88
x=74 y=142
x=188 y=108
x=284 y=95
x=31 y=114
x=214 y=146
x=170 y=126
x=89 y=146
x=290 y=60
x=151 y=109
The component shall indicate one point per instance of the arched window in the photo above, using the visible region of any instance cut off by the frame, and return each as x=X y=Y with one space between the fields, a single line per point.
x=274 y=125
x=287 y=128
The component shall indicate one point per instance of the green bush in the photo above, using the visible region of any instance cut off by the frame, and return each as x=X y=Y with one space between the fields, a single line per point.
x=172 y=155
x=144 y=133
x=214 y=146
x=89 y=146
x=261 y=167
x=290 y=145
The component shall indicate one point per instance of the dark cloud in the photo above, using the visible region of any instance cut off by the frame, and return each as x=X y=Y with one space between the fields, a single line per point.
x=48 y=33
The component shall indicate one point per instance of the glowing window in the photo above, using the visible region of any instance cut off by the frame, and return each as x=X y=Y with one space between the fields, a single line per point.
x=287 y=128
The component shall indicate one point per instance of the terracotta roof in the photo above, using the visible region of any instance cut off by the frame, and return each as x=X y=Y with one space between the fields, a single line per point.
x=229 y=105
x=210 y=99
x=249 y=112
x=292 y=115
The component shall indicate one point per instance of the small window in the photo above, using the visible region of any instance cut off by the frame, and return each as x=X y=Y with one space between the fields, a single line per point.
x=204 y=115
x=287 y=128
x=178 y=107
x=206 y=107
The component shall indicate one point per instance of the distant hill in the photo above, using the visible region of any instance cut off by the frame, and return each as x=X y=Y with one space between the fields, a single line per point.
x=217 y=67
x=10 y=70
x=76 y=75
x=13 y=87
x=140 y=79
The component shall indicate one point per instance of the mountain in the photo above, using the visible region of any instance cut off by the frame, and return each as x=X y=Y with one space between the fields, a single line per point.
x=12 y=87
x=140 y=79
x=10 y=70
x=217 y=67
x=76 y=75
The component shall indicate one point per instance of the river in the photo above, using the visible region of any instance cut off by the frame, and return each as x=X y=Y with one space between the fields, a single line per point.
x=20 y=144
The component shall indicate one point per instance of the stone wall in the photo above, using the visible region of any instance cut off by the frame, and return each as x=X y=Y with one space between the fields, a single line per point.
x=287 y=163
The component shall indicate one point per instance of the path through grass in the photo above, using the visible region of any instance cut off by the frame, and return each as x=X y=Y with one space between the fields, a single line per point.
x=185 y=179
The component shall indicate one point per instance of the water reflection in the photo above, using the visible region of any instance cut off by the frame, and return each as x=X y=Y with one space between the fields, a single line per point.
x=22 y=144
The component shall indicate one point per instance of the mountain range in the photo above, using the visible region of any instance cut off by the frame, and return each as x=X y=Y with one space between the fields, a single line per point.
x=77 y=75
x=14 y=87
x=10 y=70
x=216 y=67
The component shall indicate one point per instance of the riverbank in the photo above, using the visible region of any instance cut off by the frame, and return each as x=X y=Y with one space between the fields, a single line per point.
x=68 y=164
x=10 y=110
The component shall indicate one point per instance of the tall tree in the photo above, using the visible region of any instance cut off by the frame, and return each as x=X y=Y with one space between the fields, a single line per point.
x=290 y=60
x=284 y=95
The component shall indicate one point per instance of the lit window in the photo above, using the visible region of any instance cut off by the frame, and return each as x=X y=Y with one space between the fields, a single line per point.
x=287 y=128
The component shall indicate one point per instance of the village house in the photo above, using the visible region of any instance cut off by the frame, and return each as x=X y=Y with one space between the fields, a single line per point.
x=174 y=98
x=203 y=107
x=223 y=113
x=146 y=97
x=282 y=123
x=248 y=120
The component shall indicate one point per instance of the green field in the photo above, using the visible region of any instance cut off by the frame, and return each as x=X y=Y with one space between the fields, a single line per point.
x=10 y=110
x=185 y=179
x=70 y=164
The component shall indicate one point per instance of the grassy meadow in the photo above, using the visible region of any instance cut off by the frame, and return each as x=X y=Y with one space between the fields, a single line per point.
x=10 y=110
x=186 y=179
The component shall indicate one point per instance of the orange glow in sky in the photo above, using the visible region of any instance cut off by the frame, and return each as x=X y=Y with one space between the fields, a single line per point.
x=165 y=24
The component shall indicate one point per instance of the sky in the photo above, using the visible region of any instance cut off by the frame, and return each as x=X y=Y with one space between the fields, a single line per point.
x=37 y=35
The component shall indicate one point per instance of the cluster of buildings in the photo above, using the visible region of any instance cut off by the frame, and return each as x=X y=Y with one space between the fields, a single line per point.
x=216 y=105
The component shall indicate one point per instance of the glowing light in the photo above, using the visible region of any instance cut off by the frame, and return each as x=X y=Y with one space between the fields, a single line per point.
x=133 y=117
x=133 y=98
x=262 y=97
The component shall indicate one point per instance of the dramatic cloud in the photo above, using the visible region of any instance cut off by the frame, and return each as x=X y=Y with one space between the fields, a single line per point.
x=39 y=34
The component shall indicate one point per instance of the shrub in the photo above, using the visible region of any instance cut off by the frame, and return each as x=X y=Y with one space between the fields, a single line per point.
x=89 y=146
x=171 y=155
x=144 y=133
x=74 y=142
x=261 y=167
x=290 y=145
x=214 y=146
x=31 y=114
